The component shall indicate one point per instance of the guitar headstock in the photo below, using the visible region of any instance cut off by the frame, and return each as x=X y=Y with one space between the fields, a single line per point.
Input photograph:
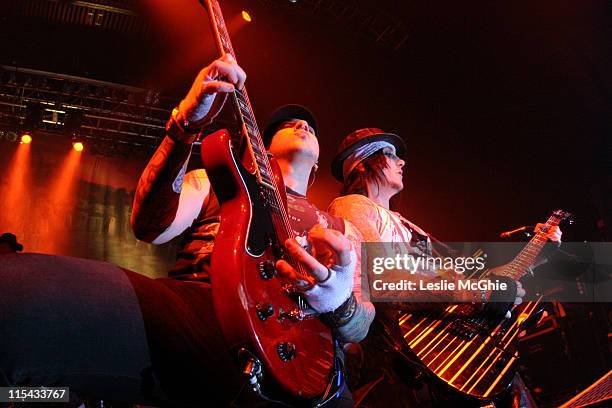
x=561 y=215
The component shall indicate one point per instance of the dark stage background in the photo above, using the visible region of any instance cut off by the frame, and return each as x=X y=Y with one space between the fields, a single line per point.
x=506 y=108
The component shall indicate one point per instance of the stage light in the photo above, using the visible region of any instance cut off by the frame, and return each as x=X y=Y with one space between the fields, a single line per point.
x=26 y=138
x=246 y=16
x=78 y=146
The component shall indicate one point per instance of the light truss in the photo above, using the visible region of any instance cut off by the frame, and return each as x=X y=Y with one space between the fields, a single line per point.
x=109 y=114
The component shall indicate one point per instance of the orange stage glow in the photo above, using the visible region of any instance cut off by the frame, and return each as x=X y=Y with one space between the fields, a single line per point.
x=246 y=16
x=26 y=139
x=60 y=200
x=17 y=199
x=78 y=146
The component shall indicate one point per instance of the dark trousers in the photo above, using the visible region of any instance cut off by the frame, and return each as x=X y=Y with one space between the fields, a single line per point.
x=113 y=334
x=110 y=333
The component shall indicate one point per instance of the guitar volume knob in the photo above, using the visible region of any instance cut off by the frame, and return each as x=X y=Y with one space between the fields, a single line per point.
x=286 y=351
x=264 y=310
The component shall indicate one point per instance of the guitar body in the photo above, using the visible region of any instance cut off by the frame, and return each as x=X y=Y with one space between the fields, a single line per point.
x=256 y=311
x=464 y=349
x=463 y=352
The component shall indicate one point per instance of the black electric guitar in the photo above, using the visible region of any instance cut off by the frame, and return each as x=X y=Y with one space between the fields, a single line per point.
x=464 y=352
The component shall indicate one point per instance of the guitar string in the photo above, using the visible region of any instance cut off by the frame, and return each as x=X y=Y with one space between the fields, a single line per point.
x=553 y=220
x=225 y=46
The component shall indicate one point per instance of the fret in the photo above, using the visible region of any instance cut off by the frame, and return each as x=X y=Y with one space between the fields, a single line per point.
x=242 y=114
x=245 y=109
x=249 y=128
x=226 y=48
x=245 y=116
x=223 y=36
x=253 y=129
x=258 y=149
x=258 y=153
x=264 y=172
x=220 y=25
x=266 y=179
x=226 y=45
x=242 y=94
x=242 y=98
x=220 y=22
x=254 y=137
x=260 y=158
x=249 y=121
x=243 y=106
x=266 y=176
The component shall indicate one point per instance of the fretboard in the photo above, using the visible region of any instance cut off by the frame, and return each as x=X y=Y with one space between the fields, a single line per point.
x=520 y=264
x=240 y=99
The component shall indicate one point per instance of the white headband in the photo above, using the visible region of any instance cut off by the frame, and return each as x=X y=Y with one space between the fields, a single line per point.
x=362 y=153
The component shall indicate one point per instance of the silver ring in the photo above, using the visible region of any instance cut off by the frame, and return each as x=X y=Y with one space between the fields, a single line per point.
x=326 y=278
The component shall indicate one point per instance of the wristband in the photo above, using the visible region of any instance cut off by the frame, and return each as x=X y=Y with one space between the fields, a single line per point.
x=342 y=315
x=179 y=130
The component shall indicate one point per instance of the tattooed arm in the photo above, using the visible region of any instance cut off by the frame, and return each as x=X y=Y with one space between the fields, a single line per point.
x=164 y=206
x=158 y=191
x=167 y=200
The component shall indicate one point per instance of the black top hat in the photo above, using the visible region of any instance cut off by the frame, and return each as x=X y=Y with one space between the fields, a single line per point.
x=11 y=239
x=283 y=114
x=359 y=138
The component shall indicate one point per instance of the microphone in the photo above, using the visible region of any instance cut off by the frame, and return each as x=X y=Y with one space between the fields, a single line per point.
x=507 y=234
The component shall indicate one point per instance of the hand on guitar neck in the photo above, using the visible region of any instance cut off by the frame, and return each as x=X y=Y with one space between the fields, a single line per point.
x=202 y=102
x=553 y=234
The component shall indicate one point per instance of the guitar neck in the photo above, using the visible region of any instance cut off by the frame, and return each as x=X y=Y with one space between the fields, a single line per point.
x=240 y=100
x=521 y=263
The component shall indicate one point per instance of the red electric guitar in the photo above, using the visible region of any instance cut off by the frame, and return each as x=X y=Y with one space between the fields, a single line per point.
x=283 y=351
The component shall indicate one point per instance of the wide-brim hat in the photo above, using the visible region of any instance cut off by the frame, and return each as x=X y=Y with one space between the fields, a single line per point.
x=11 y=239
x=283 y=114
x=360 y=138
